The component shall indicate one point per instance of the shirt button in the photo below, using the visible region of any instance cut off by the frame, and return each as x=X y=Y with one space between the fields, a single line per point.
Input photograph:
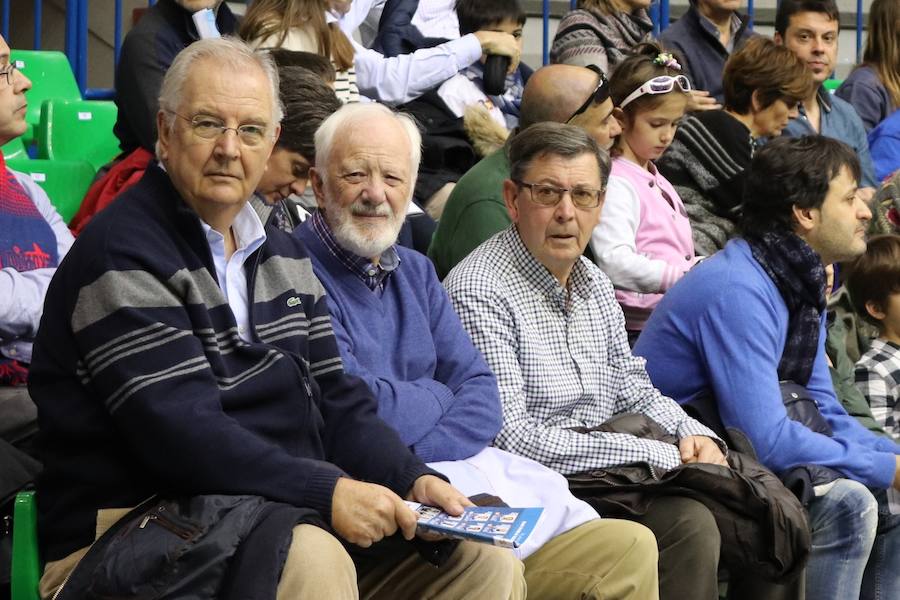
x=650 y=184
x=371 y=272
x=12 y=351
x=241 y=328
x=687 y=257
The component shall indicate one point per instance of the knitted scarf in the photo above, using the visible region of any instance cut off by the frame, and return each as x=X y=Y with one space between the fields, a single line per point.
x=510 y=100
x=26 y=242
x=798 y=273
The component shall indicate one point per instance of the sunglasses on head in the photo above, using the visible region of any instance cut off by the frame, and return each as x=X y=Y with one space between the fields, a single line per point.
x=662 y=84
x=599 y=95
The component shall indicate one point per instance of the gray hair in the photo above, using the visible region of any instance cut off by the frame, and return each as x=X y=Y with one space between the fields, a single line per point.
x=556 y=139
x=362 y=112
x=227 y=51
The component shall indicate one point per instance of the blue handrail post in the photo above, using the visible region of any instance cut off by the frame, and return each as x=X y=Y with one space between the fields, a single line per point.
x=38 y=17
x=750 y=13
x=6 y=6
x=117 y=35
x=663 y=14
x=654 y=16
x=72 y=33
x=859 y=30
x=81 y=67
x=546 y=48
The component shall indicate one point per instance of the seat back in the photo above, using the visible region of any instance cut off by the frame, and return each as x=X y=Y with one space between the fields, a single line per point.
x=26 y=561
x=65 y=181
x=51 y=77
x=78 y=130
x=14 y=148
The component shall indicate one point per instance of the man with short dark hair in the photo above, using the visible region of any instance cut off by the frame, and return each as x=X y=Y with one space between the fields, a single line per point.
x=704 y=37
x=746 y=327
x=810 y=28
x=187 y=356
x=475 y=210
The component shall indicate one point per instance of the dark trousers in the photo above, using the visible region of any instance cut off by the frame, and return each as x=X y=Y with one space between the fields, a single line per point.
x=689 y=543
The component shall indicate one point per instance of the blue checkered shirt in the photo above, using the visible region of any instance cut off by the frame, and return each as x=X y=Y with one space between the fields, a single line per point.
x=562 y=360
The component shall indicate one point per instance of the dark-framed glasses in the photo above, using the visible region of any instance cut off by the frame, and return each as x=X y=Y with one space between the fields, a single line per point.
x=662 y=84
x=600 y=94
x=10 y=73
x=211 y=128
x=545 y=194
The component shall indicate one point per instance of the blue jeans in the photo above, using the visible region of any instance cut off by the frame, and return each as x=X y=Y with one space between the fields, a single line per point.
x=852 y=536
x=882 y=578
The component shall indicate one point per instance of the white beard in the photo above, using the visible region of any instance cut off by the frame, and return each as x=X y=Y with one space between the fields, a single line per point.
x=368 y=241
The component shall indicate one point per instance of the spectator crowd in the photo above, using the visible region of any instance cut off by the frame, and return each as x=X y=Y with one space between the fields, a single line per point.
x=355 y=254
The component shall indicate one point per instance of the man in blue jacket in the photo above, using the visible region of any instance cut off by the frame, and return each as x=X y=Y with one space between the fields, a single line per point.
x=752 y=316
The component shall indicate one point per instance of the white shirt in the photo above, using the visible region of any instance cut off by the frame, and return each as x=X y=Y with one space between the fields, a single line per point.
x=249 y=235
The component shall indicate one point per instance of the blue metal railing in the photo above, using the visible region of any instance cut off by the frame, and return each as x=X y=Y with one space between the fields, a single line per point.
x=76 y=40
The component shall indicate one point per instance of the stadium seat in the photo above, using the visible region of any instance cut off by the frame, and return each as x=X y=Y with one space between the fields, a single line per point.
x=14 y=149
x=51 y=76
x=65 y=181
x=78 y=130
x=26 y=562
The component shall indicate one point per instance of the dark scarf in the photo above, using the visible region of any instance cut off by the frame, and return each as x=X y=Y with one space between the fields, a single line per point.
x=799 y=275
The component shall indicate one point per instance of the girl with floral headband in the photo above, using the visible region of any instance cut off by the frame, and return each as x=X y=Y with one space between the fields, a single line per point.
x=643 y=242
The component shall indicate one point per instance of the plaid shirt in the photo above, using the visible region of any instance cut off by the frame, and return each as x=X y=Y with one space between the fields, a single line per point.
x=373 y=275
x=878 y=378
x=562 y=360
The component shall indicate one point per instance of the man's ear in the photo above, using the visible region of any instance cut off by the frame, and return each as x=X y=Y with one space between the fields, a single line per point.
x=874 y=310
x=619 y=115
x=162 y=134
x=510 y=190
x=778 y=39
x=318 y=186
x=755 y=103
x=804 y=218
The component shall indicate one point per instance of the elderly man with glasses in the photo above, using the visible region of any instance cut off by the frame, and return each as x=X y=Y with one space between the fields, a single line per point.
x=186 y=366
x=474 y=212
x=547 y=321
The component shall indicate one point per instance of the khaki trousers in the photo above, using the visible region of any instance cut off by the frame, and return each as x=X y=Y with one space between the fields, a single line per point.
x=317 y=567
x=603 y=559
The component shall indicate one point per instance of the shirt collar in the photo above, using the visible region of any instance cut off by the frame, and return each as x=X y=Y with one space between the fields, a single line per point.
x=373 y=275
x=711 y=27
x=823 y=97
x=249 y=233
x=580 y=279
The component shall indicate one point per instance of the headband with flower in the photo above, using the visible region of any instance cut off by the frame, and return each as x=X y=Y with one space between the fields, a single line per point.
x=665 y=59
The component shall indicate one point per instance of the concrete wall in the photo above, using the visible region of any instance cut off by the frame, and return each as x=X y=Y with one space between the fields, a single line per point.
x=101 y=28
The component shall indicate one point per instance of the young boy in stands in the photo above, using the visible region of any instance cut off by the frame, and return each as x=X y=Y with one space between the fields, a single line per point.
x=873 y=281
x=467 y=87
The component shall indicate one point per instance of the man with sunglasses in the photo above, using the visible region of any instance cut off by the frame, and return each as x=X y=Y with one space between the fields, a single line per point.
x=475 y=210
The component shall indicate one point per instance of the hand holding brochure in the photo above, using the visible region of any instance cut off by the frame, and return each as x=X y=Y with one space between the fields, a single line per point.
x=497 y=525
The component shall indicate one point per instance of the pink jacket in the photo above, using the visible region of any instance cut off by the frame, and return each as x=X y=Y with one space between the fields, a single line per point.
x=643 y=242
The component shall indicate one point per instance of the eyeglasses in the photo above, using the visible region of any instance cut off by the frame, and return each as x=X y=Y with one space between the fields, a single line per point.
x=545 y=194
x=600 y=94
x=10 y=74
x=658 y=85
x=211 y=128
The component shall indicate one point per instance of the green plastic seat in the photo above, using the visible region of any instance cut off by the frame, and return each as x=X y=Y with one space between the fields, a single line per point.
x=14 y=149
x=26 y=560
x=65 y=181
x=78 y=130
x=51 y=77
x=832 y=84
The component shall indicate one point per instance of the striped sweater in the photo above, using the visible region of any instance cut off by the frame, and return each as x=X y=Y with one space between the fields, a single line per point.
x=144 y=386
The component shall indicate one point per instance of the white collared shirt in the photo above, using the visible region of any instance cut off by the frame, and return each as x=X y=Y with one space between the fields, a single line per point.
x=249 y=235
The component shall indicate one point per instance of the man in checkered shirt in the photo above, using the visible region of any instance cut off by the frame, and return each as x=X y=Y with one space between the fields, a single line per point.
x=548 y=324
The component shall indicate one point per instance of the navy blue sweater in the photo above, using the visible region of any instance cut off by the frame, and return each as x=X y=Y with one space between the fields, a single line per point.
x=143 y=385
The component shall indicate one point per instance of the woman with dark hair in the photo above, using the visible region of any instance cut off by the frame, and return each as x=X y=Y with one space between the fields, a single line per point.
x=707 y=161
x=873 y=87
